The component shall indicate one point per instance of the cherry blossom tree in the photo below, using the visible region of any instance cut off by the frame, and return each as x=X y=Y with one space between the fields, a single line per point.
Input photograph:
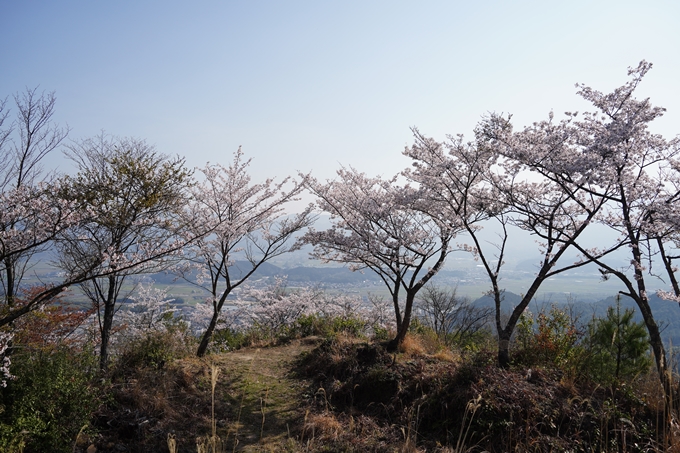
x=380 y=226
x=130 y=198
x=149 y=309
x=31 y=216
x=276 y=307
x=616 y=159
x=248 y=224
x=635 y=162
x=473 y=183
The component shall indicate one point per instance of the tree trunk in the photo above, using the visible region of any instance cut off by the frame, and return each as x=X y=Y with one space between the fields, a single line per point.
x=504 y=335
x=207 y=335
x=397 y=310
x=504 y=349
x=657 y=345
x=9 y=287
x=107 y=324
x=394 y=344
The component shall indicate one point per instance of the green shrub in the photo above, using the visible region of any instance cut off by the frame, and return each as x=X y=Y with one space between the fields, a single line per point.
x=548 y=339
x=617 y=346
x=308 y=325
x=229 y=339
x=49 y=401
x=155 y=349
x=381 y=334
x=325 y=326
x=349 y=325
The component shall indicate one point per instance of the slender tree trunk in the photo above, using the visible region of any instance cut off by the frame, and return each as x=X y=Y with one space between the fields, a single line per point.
x=660 y=359
x=207 y=335
x=107 y=324
x=504 y=335
x=9 y=287
x=395 y=303
x=657 y=344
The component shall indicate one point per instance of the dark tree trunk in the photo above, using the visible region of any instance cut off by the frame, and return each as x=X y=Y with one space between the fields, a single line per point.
x=107 y=323
x=394 y=344
x=207 y=335
x=504 y=349
x=106 y=334
x=9 y=287
x=504 y=335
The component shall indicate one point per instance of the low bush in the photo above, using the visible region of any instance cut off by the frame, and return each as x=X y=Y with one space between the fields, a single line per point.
x=50 y=400
x=549 y=339
x=229 y=339
x=155 y=348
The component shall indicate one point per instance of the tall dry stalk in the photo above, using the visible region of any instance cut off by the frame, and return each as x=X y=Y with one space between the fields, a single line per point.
x=410 y=443
x=214 y=373
x=470 y=409
x=212 y=443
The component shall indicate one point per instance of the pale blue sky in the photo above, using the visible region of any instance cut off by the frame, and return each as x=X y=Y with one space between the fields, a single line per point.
x=310 y=85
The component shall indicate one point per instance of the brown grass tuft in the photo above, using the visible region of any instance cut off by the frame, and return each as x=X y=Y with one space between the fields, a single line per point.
x=447 y=355
x=324 y=426
x=412 y=346
x=431 y=342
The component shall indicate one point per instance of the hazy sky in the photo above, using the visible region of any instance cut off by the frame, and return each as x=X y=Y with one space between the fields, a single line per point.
x=312 y=85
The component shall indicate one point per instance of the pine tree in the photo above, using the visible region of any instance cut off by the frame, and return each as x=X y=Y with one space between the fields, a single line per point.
x=618 y=346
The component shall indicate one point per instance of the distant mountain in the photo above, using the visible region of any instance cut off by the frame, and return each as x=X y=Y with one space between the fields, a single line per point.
x=666 y=314
x=510 y=300
x=330 y=275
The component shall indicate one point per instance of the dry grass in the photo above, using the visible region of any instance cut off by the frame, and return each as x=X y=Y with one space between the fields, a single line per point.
x=447 y=355
x=412 y=346
x=350 y=395
x=324 y=426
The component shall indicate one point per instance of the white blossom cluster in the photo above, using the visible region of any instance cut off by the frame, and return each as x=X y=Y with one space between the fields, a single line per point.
x=5 y=361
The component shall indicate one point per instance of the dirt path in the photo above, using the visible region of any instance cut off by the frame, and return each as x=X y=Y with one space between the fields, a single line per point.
x=256 y=398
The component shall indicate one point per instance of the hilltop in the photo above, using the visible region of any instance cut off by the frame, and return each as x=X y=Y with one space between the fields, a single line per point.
x=347 y=394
